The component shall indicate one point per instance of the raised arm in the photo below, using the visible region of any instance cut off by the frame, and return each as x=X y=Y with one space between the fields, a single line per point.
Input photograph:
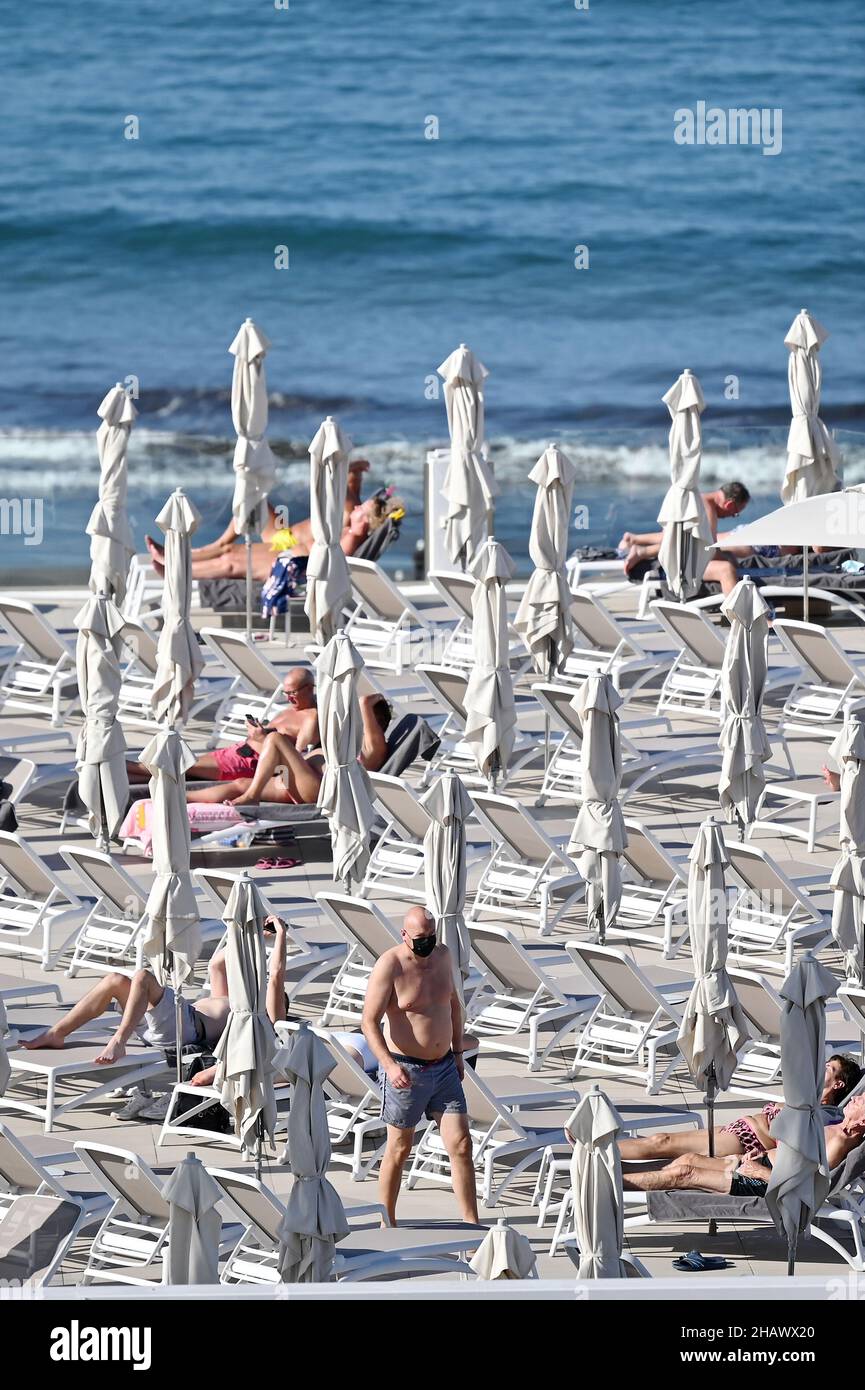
x=379 y=993
x=373 y=751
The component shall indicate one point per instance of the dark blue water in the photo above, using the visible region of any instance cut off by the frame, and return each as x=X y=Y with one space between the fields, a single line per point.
x=305 y=128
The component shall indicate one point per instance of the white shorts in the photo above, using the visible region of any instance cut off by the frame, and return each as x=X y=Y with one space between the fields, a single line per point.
x=358 y=1043
x=158 y=1028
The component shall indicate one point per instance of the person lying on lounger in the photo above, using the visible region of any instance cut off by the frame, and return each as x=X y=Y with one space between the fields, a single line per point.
x=744 y=1177
x=365 y=518
x=749 y=1134
x=285 y=774
x=726 y=501
x=297 y=723
x=148 y=1008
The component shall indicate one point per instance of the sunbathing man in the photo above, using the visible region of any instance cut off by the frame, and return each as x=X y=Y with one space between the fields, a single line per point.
x=284 y=773
x=421 y=1059
x=148 y=1008
x=297 y=723
x=748 y=1177
x=230 y=563
x=726 y=501
x=749 y=1134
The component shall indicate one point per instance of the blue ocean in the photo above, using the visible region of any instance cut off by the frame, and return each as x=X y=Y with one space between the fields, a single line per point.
x=375 y=184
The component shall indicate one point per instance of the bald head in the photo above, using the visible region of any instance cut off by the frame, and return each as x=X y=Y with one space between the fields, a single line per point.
x=299 y=687
x=418 y=921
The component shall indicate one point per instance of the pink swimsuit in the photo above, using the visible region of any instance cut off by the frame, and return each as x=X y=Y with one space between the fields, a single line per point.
x=752 y=1144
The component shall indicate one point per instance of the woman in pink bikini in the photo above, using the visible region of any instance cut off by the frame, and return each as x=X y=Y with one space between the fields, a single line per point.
x=749 y=1134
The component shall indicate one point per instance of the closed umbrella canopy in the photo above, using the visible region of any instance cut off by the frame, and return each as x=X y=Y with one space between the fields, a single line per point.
x=345 y=796
x=812 y=455
x=111 y=542
x=449 y=806
x=687 y=532
x=254 y=463
x=800 y=1173
x=744 y=742
x=314 y=1218
x=596 y=1183
x=178 y=658
x=173 y=928
x=714 y=1028
x=245 y=1052
x=194 y=1224
x=5 y=1068
x=599 y=834
x=544 y=615
x=469 y=484
x=504 y=1254
x=489 y=698
x=328 y=586
x=101 y=753
x=848 y=876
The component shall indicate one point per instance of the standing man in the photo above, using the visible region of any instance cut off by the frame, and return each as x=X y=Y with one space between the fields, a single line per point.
x=421 y=1060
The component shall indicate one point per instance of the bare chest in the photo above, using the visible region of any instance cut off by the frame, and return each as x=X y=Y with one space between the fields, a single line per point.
x=419 y=989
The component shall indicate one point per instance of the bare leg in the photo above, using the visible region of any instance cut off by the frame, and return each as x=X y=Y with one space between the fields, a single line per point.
x=638 y=553
x=687 y=1141
x=231 y=564
x=458 y=1142
x=113 y=987
x=691 y=1171
x=276 y=976
x=722 y=572
x=144 y=992
x=399 y=1142
x=204 y=766
x=304 y=779
x=224 y=791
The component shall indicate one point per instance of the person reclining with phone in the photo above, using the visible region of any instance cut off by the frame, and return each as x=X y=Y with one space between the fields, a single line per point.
x=298 y=722
x=285 y=774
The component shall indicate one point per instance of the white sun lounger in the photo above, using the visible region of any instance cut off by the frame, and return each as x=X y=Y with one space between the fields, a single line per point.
x=828 y=678
x=383 y=625
x=604 y=648
x=367 y=933
x=772 y=916
x=457 y=590
x=38 y=916
x=49 y=1082
x=255 y=688
x=353 y=1102
x=396 y=865
x=16 y=987
x=654 y=893
x=35 y=1235
x=448 y=688
x=528 y=877
x=632 y=1030
x=40 y=677
x=759 y=1070
x=111 y=934
x=25 y=1172
x=520 y=996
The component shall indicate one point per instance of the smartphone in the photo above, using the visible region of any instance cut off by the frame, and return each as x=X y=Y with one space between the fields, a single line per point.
x=251 y=719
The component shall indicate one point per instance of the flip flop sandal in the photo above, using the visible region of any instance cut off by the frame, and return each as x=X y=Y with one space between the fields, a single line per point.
x=278 y=863
x=695 y=1263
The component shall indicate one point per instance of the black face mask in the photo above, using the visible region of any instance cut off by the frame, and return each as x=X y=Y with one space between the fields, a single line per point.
x=423 y=945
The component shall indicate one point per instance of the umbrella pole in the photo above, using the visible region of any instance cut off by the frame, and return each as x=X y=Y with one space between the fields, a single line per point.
x=791 y=1259
x=247 y=540
x=178 y=1005
x=258 y=1125
x=710 y=1122
x=805 y=582
x=551 y=667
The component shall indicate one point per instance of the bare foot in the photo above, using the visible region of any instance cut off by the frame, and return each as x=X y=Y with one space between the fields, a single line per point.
x=632 y=558
x=112 y=1053
x=243 y=800
x=157 y=555
x=49 y=1038
x=625 y=543
x=832 y=779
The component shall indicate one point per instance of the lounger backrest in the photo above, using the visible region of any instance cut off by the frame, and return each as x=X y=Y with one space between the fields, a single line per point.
x=596 y=628
x=483 y=1108
x=347 y=1077
x=258 y=1207
x=18 y=778
x=143 y=645
x=360 y=923
x=241 y=658
x=106 y=879
x=400 y=805
x=647 y=858
x=691 y=630
x=611 y=974
x=760 y=1004
x=27 y=624
x=448 y=686
x=816 y=649
x=127 y=1178
x=457 y=590
x=33 y=1235
x=501 y=955
x=512 y=825
x=219 y=883
x=18 y=1173
x=853 y=1000
x=26 y=869
x=762 y=876
x=556 y=700
x=377 y=592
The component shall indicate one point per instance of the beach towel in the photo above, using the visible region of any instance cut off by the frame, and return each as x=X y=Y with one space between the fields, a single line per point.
x=203 y=818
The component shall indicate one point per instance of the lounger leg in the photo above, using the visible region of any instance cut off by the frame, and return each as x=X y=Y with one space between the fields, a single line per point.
x=49 y=1101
